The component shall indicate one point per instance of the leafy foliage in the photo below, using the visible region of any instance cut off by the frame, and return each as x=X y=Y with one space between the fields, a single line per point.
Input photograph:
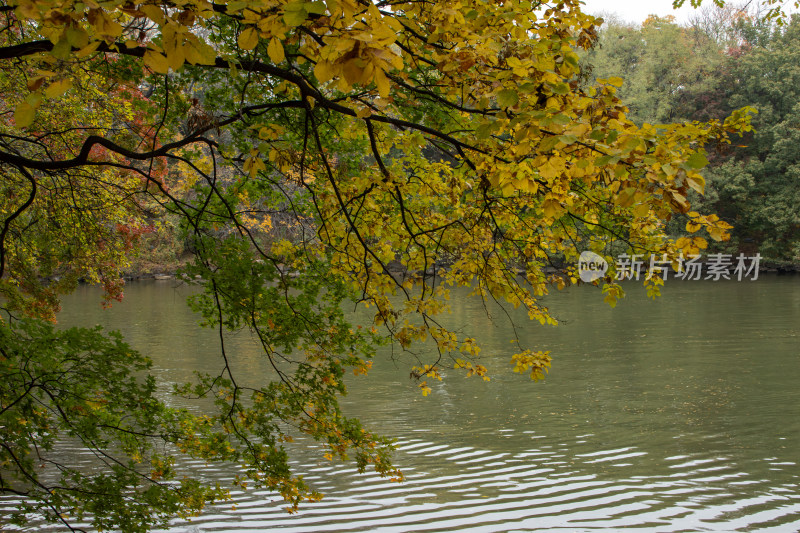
x=80 y=384
x=726 y=60
x=766 y=169
x=663 y=65
x=314 y=153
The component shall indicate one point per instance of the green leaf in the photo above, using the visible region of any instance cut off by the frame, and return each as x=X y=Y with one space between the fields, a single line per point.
x=295 y=14
x=605 y=160
x=77 y=37
x=235 y=7
x=597 y=135
x=317 y=7
x=548 y=143
x=62 y=49
x=560 y=88
x=561 y=119
x=507 y=98
x=697 y=160
x=484 y=130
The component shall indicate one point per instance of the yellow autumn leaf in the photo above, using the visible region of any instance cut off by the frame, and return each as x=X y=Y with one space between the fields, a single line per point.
x=353 y=73
x=176 y=57
x=641 y=210
x=198 y=52
x=696 y=182
x=383 y=84
x=275 y=51
x=156 y=61
x=153 y=12
x=77 y=37
x=323 y=71
x=616 y=81
x=35 y=83
x=692 y=226
x=552 y=208
x=57 y=88
x=551 y=168
x=718 y=234
x=24 y=114
x=88 y=49
x=678 y=202
x=248 y=39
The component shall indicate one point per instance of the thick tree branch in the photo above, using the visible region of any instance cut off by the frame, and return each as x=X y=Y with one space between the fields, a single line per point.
x=306 y=89
x=7 y=222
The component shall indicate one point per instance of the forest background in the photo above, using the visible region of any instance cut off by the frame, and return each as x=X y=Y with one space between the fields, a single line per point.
x=721 y=59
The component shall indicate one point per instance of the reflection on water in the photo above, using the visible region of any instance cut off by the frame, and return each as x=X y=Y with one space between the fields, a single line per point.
x=676 y=415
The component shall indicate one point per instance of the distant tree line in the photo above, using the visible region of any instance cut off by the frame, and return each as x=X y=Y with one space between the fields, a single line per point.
x=723 y=59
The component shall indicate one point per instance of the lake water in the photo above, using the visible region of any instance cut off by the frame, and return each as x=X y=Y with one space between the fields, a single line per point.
x=681 y=414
